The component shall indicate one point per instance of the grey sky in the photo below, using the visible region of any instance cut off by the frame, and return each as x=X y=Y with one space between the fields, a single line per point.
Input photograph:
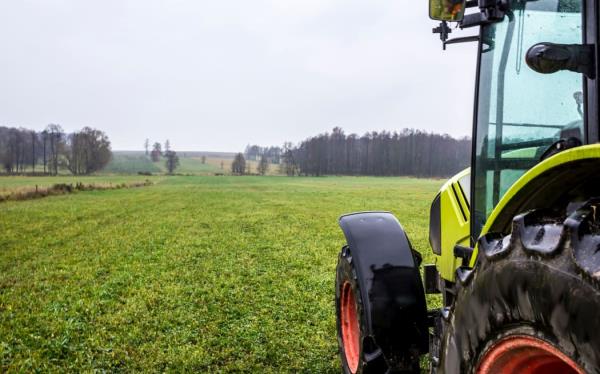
x=217 y=75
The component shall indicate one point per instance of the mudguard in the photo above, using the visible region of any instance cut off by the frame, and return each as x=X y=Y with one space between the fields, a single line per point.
x=569 y=176
x=391 y=289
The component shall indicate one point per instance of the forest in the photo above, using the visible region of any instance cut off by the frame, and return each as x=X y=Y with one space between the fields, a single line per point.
x=46 y=152
x=406 y=153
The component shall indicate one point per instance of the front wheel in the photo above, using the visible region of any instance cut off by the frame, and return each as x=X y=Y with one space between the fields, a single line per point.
x=531 y=304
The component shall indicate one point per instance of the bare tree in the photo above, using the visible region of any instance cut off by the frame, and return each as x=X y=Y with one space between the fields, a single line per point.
x=34 y=140
x=288 y=164
x=238 y=166
x=45 y=153
x=147 y=146
x=263 y=165
x=156 y=152
x=87 y=151
x=172 y=161
x=57 y=138
x=167 y=145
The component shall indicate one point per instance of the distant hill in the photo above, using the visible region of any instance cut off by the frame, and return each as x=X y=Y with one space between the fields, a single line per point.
x=208 y=154
x=190 y=162
x=132 y=163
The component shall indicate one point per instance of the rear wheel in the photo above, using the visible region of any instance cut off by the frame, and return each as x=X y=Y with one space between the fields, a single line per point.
x=526 y=354
x=531 y=304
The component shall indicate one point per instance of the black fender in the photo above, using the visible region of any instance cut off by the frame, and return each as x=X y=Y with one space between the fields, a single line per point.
x=558 y=186
x=392 y=293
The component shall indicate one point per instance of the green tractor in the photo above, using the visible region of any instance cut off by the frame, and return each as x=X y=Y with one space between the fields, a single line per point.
x=516 y=237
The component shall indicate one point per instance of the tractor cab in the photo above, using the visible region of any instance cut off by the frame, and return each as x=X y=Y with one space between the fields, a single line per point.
x=533 y=88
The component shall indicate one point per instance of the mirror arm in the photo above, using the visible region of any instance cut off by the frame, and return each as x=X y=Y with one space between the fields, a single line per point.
x=443 y=29
x=490 y=11
x=472 y=20
x=464 y=39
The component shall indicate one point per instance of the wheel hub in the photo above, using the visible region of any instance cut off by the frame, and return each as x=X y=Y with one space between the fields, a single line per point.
x=350 y=327
x=526 y=355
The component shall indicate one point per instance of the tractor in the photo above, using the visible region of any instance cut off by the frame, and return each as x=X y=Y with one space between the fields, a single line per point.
x=516 y=237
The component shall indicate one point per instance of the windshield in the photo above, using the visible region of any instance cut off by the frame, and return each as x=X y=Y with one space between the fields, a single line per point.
x=520 y=112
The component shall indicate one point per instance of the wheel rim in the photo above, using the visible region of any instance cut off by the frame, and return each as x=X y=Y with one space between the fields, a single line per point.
x=350 y=327
x=526 y=355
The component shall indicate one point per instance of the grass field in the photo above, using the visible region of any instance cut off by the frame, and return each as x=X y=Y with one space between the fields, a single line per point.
x=213 y=165
x=194 y=165
x=213 y=274
x=133 y=163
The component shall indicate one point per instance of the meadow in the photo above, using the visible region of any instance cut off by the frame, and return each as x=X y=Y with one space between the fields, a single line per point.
x=194 y=273
x=190 y=163
x=129 y=163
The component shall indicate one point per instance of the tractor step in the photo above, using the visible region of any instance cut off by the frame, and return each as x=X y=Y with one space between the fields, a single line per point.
x=432 y=279
x=463 y=252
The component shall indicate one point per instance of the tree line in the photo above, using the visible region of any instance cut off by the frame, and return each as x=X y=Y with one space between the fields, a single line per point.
x=240 y=166
x=82 y=152
x=256 y=152
x=406 y=153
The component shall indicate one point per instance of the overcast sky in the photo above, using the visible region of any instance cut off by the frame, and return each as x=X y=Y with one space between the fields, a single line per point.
x=215 y=75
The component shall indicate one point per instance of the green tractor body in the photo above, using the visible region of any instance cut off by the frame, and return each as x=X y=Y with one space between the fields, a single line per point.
x=516 y=237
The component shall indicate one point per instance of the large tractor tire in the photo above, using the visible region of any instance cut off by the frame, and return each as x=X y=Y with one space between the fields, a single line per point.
x=532 y=303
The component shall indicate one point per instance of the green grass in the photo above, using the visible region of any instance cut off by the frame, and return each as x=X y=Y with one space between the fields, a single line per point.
x=212 y=274
x=132 y=164
x=194 y=165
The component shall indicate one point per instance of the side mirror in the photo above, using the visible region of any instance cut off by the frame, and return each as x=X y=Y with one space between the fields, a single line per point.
x=548 y=58
x=447 y=10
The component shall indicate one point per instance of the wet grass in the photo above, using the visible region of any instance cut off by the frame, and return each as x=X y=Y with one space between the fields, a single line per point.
x=213 y=274
x=132 y=164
